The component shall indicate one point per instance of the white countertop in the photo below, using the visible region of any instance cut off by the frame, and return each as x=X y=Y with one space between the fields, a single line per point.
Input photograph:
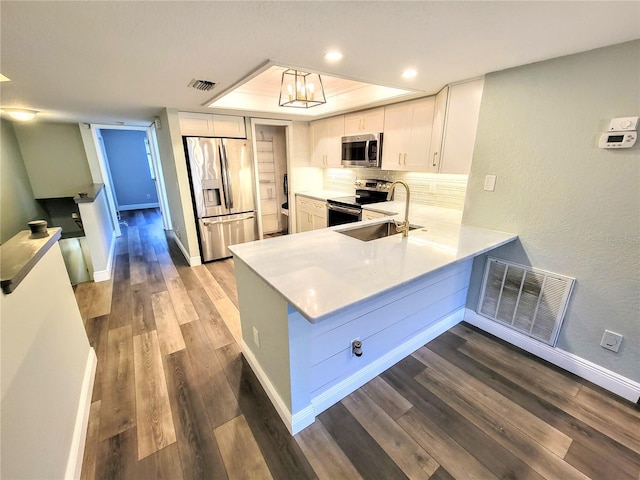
x=323 y=271
x=323 y=195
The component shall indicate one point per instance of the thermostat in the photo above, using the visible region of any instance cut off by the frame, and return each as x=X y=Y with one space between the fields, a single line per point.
x=618 y=139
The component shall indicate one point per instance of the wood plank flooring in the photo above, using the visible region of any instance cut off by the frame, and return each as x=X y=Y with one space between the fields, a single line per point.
x=175 y=399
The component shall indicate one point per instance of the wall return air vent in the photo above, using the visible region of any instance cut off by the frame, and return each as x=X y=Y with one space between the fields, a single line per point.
x=525 y=299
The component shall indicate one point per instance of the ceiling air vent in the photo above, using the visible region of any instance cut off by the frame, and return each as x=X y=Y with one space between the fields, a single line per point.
x=204 y=85
x=525 y=299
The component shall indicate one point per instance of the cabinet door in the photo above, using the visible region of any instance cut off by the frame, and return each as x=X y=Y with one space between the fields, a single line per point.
x=196 y=124
x=437 y=130
x=418 y=139
x=228 y=126
x=319 y=134
x=304 y=218
x=369 y=121
x=395 y=126
x=318 y=214
x=461 y=126
x=333 y=141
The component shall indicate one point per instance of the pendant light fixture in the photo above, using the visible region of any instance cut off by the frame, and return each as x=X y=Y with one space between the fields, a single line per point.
x=301 y=89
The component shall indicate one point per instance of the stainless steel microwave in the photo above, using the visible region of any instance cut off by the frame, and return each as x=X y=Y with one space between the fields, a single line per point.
x=362 y=150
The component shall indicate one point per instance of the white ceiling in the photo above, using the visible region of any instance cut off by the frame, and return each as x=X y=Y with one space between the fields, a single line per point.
x=122 y=61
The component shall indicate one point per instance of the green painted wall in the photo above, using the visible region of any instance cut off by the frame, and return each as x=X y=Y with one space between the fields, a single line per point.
x=575 y=207
x=17 y=204
x=55 y=158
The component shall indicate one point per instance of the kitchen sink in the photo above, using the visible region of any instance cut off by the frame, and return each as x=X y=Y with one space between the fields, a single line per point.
x=373 y=232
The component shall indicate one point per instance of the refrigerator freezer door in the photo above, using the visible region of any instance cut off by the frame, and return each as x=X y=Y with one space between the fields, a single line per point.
x=207 y=178
x=239 y=176
x=217 y=233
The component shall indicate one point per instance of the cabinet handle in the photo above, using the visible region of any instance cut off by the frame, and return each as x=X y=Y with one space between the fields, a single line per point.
x=400 y=159
x=405 y=158
x=434 y=158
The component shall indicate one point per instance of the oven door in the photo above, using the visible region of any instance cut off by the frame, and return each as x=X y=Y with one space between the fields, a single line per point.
x=340 y=214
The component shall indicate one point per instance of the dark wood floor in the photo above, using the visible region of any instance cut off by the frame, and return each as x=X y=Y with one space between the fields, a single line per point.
x=174 y=398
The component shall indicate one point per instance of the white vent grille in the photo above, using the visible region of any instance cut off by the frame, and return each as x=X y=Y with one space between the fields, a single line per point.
x=526 y=299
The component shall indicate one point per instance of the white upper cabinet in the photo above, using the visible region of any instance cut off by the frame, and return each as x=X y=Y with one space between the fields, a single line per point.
x=437 y=132
x=208 y=125
x=461 y=125
x=368 y=121
x=326 y=143
x=407 y=135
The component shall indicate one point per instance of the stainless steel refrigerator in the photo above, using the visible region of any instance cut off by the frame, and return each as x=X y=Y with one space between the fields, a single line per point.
x=222 y=185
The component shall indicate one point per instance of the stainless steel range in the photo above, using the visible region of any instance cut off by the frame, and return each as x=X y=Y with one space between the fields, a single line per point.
x=348 y=209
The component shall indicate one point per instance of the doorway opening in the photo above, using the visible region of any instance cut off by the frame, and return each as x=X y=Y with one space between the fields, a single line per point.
x=271 y=154
x=131 y=171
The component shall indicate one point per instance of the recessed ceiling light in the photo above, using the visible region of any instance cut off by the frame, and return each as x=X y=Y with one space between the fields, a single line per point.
x=4 y=79
x=409 y=73
x=333 y=56
x=20 y=114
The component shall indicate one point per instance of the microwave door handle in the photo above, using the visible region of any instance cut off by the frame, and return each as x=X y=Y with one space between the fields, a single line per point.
x=229 y=186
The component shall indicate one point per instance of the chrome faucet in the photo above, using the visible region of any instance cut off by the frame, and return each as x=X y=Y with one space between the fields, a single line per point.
x=404 y=226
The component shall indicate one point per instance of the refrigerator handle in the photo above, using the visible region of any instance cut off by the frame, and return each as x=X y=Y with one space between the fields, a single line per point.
x=229 y=186
x=225 y=179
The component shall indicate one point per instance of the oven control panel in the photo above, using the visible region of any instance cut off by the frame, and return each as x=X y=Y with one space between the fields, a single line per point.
x=373 y=184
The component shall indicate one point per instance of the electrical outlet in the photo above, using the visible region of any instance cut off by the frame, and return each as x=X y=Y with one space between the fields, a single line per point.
x=611 y=340
x=256 y=337
x=490 y=183
x=148 y=195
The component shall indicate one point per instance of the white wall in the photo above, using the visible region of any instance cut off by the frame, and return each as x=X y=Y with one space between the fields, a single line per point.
x=176 y=177
x=55 y=158
x=96 y=220
x=575 y=207
x=45 y=353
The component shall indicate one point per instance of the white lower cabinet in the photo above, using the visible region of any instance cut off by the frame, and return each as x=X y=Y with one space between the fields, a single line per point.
x=311 y=214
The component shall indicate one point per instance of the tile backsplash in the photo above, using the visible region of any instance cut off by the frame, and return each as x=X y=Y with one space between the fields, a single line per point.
x=436 y=189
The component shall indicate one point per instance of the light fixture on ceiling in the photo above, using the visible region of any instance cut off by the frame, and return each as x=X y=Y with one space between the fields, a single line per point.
x=20 y=114
x=301 y=89
x=333 y=56
x=409 y=73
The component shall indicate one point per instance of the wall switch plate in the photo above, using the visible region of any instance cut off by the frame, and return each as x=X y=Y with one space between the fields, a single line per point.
x=490 y=183
x=611 y=340
x=256 y=337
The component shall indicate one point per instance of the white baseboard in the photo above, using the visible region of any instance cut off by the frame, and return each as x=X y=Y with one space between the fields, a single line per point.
x=294 y=423
x=305 y=417
x=104 y=275
x=76 y=453
x=607 y=379
x=138 y=206
x=193 y=261
x=336 y=393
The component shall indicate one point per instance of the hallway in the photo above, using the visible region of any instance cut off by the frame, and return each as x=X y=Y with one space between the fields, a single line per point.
x=174 y=399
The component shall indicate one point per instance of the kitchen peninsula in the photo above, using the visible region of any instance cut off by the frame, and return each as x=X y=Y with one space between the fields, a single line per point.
x=305 y=298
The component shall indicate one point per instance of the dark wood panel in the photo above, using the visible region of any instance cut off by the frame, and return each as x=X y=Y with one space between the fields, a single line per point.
x=142 y=318
x=197 y=446
x=121 y=268
x=117 y=457
x=219 y=400
x=496 y=458
x=120 y=305
x=162 y=465
x=117 y=412
x=596 y=465
x=155 y=280
x=97 y=332
x=364 y=452
x=446 y=346
x=223 y=271
x=215 y=328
